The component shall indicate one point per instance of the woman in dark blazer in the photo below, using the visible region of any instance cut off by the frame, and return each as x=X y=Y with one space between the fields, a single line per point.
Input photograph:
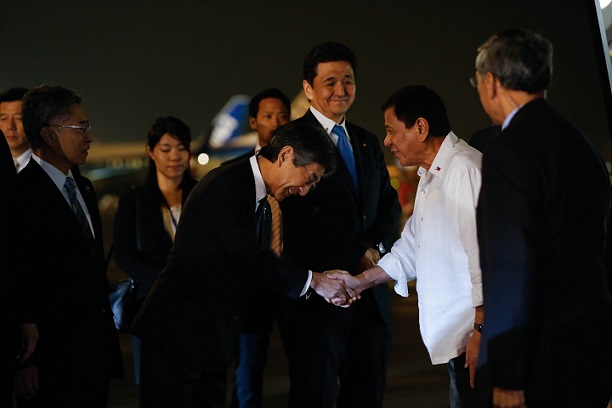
x=147 y=216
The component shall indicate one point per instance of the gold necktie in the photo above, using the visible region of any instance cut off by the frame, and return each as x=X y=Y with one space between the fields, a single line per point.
x=276 y=241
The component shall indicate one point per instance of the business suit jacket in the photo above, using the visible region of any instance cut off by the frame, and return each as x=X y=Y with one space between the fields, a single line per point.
x=8 y=339
x=193 y=310
x=334 y=225
x=143 y=262
x=541 y=220
x=62 y=284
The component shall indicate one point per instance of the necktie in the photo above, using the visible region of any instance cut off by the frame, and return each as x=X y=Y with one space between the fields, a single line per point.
x=276 y=240
x=260 y=219
x=347 y=154
x=70 y=187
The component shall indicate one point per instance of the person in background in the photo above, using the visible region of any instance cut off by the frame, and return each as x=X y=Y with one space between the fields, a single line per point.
x=346 y=223
x=268 y=110
x=542 y=216
x=147 y=215
x=12 y=126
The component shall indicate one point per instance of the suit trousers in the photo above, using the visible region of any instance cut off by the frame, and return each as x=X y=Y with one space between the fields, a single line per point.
x=166 y=382
x=354 y=349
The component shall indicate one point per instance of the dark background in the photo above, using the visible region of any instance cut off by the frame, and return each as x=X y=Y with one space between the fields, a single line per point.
x=135 y=60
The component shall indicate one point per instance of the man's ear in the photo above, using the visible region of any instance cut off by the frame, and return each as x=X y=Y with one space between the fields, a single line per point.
x=252 y=122
x=286 y=154
x=422 y=128
x=307 y=90
x=492 y=85
x=48 y=136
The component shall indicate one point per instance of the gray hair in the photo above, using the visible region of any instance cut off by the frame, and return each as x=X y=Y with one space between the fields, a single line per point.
x=522 y=60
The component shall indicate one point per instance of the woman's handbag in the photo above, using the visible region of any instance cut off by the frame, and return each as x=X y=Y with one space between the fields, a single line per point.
x=122 y=297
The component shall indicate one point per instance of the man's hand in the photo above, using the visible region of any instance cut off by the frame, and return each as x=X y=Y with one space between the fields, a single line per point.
x=334 y=291
x=368 y=260
x=29 y=333
x=471 y=350
x=503 y=398
x=471 y=354
x=26 y=381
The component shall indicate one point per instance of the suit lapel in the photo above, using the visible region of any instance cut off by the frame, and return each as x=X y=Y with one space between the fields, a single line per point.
x=45 y=186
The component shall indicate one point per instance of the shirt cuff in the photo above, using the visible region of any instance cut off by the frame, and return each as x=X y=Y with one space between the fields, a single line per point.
x=307 y=285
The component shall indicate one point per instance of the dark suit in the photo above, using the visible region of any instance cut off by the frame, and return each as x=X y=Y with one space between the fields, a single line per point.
x=8 y=343
x=541 y=219
x=192 y=314
x=332 y=227
x=261 y=307
x=64 y=290
x=143 y=261
x=482 y=138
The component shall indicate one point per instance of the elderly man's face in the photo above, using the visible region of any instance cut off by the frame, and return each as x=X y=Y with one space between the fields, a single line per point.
x=289 y=180
x=488 y=93
x=405 y=143
x=71 y=146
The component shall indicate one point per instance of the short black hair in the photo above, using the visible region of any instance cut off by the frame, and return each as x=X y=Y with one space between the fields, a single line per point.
x=42 y=105
x=419 y=101
x=327 y=52
x=311 y=144
x=13 y=94
x=268 y=93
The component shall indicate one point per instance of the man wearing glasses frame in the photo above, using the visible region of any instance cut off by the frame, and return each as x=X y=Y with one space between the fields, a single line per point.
x=70 y=347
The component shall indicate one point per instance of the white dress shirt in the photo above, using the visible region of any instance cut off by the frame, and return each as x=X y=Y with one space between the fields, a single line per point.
x=329 y=124
x=439 y=248
x=22 y=161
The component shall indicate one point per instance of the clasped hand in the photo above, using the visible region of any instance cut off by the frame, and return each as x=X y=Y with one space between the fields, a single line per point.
x=332 y=286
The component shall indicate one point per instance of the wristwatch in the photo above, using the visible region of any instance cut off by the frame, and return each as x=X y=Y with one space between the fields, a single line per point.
x=381 y=248
x=478 y=327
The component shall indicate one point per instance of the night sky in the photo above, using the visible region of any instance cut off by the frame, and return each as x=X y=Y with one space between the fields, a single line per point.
x=133 y=61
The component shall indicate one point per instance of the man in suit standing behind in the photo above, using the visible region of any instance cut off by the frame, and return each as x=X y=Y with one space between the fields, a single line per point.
x=62 y=285
x=346 y=223
x=542 y=212
x=12 y=125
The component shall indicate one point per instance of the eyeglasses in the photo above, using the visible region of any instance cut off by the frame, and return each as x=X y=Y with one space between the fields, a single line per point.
x=474 y=82
x=85 y=127
x=311 y=181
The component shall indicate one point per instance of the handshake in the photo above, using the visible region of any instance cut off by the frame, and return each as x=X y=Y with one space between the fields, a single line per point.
x=337 y=287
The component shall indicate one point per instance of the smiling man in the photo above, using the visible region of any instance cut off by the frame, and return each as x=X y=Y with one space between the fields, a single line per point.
x=72 y=348
x=346 y=223
x=190 y=321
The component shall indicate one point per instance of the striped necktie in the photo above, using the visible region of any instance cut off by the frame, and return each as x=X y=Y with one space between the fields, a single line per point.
x=276 y=240
x=344 y=148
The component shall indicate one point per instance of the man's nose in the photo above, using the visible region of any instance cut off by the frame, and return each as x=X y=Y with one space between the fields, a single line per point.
x=387 y=141
x=339 y=89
